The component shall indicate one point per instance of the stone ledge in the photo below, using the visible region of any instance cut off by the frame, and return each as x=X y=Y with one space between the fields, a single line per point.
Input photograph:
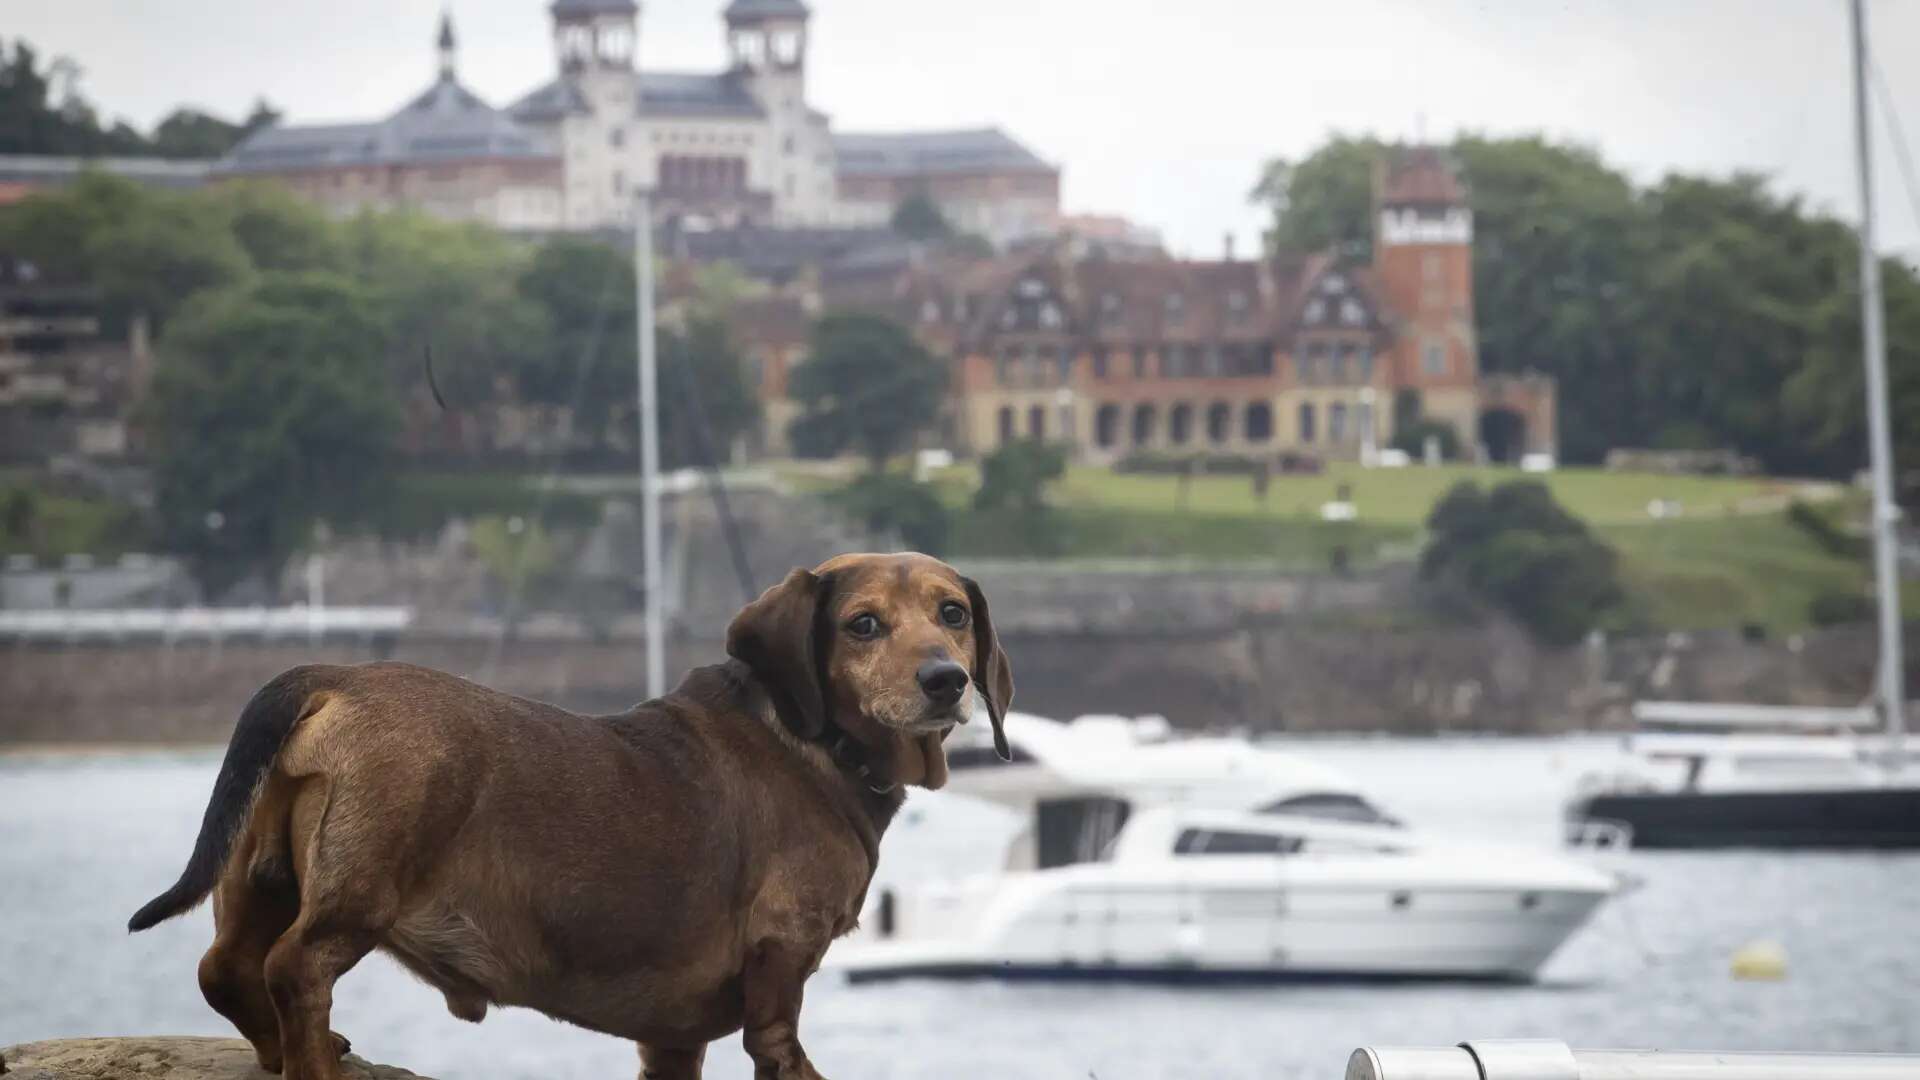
x=156 y=1058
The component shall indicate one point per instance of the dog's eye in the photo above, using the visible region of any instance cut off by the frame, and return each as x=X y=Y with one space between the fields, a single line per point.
x=953 y=614
x=863 y=626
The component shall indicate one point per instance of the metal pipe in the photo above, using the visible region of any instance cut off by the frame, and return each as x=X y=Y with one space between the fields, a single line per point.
x=1550 y=1059
x=649 y=445
x=1886 y=516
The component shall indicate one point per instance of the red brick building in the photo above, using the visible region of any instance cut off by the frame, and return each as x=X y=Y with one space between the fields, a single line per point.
x=1299 y=352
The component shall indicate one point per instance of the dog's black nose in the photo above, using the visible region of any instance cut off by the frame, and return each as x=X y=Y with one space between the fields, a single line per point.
x=943 y=680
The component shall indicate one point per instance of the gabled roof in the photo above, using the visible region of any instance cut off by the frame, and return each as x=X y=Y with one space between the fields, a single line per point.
x=448 y=122
x=921 y=153
x=672 y=93
x=593 y=7
x=550 y=102
x=747 y=10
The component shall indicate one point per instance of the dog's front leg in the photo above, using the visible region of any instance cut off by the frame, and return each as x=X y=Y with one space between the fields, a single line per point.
x=670 y=1062
x=775 y=976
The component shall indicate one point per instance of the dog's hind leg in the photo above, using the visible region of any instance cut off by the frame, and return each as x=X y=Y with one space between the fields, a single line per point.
x=347 y=902
x=250 y=912
x=670 y=1063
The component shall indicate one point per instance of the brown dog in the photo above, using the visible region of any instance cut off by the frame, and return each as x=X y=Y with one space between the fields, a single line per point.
x=669 y=875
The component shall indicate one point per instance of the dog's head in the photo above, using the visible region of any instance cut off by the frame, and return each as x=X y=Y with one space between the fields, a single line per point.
x=892 y=648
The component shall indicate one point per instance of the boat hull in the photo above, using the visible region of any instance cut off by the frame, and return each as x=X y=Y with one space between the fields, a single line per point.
x=1884 y=818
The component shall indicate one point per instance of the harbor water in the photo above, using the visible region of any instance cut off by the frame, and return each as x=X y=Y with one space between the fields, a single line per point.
x=86 y=838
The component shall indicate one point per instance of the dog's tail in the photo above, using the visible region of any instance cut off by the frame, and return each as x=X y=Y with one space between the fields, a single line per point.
x=264 y=726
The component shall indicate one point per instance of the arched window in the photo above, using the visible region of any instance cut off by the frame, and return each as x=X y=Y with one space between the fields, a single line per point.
x=1218 y=417
x=1142 y=425
x=1180 y=424
x=1306 y=422
x=1006 y=424
x=1259 y=422
x=1037 y=422
x=1106 y=425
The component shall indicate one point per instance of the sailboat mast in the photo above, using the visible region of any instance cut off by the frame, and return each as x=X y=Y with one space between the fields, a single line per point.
x=1885 y=520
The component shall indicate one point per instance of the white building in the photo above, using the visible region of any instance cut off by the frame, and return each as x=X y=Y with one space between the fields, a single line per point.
x=742 y=145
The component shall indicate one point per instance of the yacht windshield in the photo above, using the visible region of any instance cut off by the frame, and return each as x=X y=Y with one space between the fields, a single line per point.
x=1225 y=842
x=1331 y=806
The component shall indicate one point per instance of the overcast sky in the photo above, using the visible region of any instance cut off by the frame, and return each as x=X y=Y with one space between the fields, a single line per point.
x=1161 y=110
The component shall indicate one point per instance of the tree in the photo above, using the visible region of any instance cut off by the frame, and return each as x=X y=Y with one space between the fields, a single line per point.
x=152 y=262
x=865 y=384
x=55 y=230
x=704 y=393
x=1517 y=550
x=450 y=288
x=1015 y=477
x=1325 y=200
x=270 y=411
x=281 y=232
x=33 y=122
x=896 y=503
x=918 y=217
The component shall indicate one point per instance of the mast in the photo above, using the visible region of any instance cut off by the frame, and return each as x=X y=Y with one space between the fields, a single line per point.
x=649 y=445
x=1886 y=516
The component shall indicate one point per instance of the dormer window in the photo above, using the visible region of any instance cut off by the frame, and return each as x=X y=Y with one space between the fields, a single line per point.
x=1032 y=288
x=930 y=310
x=1334 y=285
x=1008 y=317
x=1050 y=315
x=1316 y=310
x=1109 y=306
x=1351 y=312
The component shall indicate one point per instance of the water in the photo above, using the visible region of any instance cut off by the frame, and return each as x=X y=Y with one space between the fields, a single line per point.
x=85 y=840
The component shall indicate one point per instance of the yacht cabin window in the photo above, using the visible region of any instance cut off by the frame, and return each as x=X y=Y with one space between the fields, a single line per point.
x=1331 y=806
x=1224 y=842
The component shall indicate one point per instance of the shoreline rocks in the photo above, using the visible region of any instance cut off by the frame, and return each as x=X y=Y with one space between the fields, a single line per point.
x=156 y=1058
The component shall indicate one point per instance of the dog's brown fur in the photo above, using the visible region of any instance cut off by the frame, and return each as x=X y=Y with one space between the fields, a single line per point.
x=670 y=875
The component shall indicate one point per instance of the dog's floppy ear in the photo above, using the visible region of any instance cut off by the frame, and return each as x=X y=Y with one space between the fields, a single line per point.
x=991 y=672
x=781 y=637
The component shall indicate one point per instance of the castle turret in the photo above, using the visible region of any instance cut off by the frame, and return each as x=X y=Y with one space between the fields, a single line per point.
x=1423 y=262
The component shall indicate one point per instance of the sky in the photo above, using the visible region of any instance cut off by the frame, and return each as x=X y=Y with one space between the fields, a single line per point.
x=1159 y=110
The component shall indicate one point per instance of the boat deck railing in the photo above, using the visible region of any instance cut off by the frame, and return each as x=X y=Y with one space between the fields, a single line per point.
x=1550 y=1059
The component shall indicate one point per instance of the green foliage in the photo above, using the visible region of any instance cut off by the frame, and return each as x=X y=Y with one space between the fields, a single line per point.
x=1821 y=529
x=1695 y=312
x=918 y=217
x=423 y=502
x=515 y=551
x=1834 y=608
x=1412 y=439
x=1325 y=200
x=33 y=121
x=152 y=262
x=269 y=413
x=895 y=503
x=866 y=384
x=1015 y=477
x=1518 y=550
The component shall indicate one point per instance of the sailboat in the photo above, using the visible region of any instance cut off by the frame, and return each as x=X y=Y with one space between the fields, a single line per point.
x=1756 y=776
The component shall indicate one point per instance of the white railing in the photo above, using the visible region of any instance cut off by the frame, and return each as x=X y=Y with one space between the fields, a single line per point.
x=212 y=624
x=1550 y=1059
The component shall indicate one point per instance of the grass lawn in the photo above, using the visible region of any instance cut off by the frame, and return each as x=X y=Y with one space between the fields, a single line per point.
x=1403 y=497
x=1730 y=557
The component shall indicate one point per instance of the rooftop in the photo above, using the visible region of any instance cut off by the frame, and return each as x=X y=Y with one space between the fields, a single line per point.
x=1421 y=174
x=594 y=7
x=447 y=122
x=765 y=9
x=922 y=152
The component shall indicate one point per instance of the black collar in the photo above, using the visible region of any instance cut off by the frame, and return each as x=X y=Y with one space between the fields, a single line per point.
x=851 y=756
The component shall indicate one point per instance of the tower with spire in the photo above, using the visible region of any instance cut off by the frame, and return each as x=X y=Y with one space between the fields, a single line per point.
x=444 y=46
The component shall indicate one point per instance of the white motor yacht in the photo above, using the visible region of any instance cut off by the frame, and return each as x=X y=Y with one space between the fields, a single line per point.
x=1144 y=856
